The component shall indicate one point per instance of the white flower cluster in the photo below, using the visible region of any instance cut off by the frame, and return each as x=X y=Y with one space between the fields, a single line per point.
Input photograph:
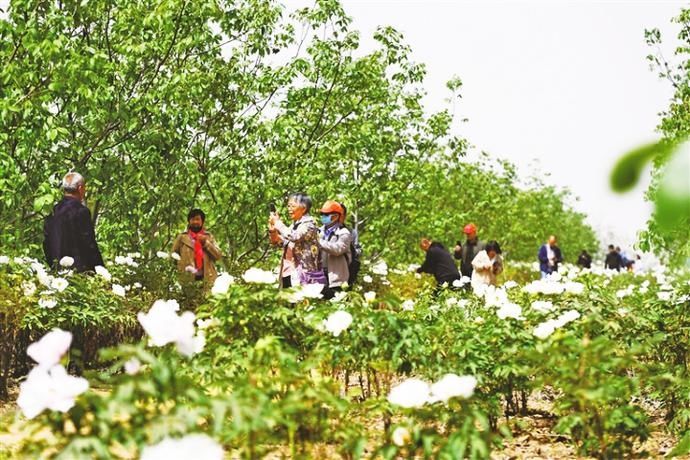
x=545 y=329
x=337 y=322
x=127 y=260
x=415 y=392
x=48 y=386
x=222 y=284
x=380 y=268
x=552 y=286
x=498 y=298
x=303 y=291
x=256 y=275
x=164 y=326
x=198 y=446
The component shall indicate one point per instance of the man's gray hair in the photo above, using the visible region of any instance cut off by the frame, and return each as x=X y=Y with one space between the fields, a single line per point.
x=71 y=182
x=301 y=199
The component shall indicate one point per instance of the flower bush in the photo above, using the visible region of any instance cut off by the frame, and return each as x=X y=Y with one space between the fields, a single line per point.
x=252 y=370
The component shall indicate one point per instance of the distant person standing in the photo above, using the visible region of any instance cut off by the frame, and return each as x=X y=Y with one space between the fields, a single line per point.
x=613 y=260
x=69 y=231
x=198 y=250
x=487 y=265
x=438 y=262
x=549 y=257
x=584 y=260
x=468 y=251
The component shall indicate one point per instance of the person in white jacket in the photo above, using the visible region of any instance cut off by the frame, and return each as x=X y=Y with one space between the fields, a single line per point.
x=487 y=265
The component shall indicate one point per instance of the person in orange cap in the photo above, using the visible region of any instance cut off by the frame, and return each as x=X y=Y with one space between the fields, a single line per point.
x=468 y=251
x=335 y=247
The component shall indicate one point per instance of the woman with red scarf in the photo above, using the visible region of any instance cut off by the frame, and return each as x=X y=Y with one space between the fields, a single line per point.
x=198 y=250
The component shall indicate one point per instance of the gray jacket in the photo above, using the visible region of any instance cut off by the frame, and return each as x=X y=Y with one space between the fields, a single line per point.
x=335 y=253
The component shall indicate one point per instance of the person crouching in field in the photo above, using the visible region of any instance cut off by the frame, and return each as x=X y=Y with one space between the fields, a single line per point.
x=335 y=247
x=487 y=265
x=439 y=263
x=198 y=251
x=301 y=260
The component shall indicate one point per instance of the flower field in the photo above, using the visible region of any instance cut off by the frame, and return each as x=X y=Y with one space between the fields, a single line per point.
x=385 y=370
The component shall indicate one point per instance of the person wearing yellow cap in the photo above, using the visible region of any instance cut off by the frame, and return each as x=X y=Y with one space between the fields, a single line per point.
x=335 y=247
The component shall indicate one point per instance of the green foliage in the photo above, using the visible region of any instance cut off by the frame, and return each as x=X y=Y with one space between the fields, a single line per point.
x=178 y=106
x=667 y=231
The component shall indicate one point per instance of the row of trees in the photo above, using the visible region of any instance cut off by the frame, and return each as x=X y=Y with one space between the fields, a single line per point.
x=229 y=105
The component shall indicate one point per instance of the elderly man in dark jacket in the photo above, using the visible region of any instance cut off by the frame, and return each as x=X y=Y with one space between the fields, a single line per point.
x=438 y=262
x=69 y=231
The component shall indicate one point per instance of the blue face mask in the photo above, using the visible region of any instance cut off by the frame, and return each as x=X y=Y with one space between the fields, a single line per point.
x=327 y=219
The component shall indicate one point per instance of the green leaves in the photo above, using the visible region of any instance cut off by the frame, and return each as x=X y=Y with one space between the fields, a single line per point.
x=626 y=173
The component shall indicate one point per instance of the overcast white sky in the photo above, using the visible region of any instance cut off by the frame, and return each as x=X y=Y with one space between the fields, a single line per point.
x=565 y=83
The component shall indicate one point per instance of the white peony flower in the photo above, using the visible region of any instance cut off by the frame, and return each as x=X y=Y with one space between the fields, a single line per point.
x=369 y=296
x=572 y=287
x=207 y=323
x=197 y=446
x=4 y=260
x=222 y=284
x=132 y=366
x=44 y=278
x=478 y=319
x=162 y=255
x=401 y=436
x=664 y=296
x=50 y=349
x=49 y=388
x=381 y=268
x=119 y=290
x=337 y=322
x=412 y=392
x=339 y=297
x=408 y=305
x=256 y=275
x=59 y=284
x=542 y=306
x=567 y=317
x=510 y=284
x=46 y=302
x=164 y=326
x=175 y=256
x=137 y=285
x=128 y=260
x=29 y=288
x=66 y=262
x=367 y=279
x=451 y=386
x=103 y=272
x=545 y=329
x=412 y=268
x=510 y=310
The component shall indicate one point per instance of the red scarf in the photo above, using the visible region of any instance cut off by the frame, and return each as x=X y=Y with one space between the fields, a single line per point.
x=198 y=249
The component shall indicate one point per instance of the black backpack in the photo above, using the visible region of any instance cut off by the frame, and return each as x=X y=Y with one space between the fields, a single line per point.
x=354 y=264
